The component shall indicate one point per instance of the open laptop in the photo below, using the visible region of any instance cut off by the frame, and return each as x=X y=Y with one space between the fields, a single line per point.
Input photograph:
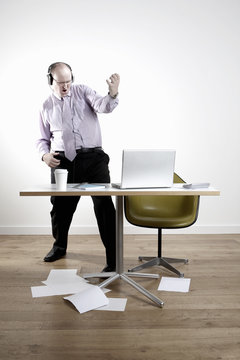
x=147 y=169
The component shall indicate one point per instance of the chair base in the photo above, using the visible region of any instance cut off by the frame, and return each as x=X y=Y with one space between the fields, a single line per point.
x=160 y=261
x=126 y=277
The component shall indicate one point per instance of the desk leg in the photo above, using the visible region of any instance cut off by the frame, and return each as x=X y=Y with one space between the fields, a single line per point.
x=119 y=258
x=119 y=274
x=119 y=234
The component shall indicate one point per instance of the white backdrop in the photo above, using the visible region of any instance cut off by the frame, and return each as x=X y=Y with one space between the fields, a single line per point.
x=180 y=86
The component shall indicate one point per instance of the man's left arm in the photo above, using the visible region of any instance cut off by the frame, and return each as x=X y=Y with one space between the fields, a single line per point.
x=105 y=104
x=113 y=84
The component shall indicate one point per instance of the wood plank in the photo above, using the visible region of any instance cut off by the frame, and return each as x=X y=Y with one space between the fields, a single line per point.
x=201 y=324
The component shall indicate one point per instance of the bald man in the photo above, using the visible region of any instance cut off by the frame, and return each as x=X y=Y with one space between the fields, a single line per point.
x=70 y=138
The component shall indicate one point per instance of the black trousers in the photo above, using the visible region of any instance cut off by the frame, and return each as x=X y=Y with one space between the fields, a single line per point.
x=89 y=167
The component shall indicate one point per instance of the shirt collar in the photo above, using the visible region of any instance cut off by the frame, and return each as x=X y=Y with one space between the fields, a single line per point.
x=59 y=98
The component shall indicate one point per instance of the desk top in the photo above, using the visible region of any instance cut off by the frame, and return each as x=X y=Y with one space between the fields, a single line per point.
x=177 y=189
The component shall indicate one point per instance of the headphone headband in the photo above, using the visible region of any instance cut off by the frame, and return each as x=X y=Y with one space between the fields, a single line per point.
x=52 y=67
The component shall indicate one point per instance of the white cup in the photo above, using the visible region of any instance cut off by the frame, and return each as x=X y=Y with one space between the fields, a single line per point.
x=61 y=178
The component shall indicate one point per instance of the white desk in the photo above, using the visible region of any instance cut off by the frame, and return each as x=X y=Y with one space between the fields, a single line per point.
x=50 y=190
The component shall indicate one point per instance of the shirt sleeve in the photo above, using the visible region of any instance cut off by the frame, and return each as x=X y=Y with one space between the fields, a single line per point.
x=100 y=104
x=43 y=142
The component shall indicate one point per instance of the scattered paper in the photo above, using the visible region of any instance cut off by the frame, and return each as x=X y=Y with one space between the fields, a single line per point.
x=115 y=304
x=63 y=276
x=174 y=284
x=91 y=297
x=60 y=282
x=61 y=273
x=59 y=289
x=88 y=299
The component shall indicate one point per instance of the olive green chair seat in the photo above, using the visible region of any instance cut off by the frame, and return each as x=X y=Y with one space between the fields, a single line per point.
x=161 y=212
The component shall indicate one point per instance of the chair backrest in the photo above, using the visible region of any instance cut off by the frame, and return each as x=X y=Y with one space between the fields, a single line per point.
x=162 y=211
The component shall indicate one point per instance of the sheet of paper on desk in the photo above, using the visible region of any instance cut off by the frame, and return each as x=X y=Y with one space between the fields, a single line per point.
x=90 y=186
x=174 y=284
x=88 y=299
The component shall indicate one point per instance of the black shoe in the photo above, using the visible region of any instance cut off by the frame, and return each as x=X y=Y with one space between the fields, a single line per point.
x=109 y=269
x=54 y=254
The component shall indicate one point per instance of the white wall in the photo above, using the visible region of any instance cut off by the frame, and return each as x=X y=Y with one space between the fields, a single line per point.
x=180 y=86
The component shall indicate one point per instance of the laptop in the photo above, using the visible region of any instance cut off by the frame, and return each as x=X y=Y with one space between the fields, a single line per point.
x=147 y=169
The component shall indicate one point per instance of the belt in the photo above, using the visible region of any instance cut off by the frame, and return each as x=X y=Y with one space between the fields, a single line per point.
x=84 y=150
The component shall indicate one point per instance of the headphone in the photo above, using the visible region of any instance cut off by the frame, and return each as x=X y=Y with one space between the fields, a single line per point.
x=51 y=67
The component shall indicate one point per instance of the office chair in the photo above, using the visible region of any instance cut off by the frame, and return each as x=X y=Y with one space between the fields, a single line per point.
x=161 y=212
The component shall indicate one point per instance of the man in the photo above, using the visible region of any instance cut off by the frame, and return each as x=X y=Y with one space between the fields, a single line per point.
x=70 y=138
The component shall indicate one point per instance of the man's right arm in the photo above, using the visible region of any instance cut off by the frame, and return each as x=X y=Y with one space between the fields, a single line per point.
x=43 y=143
x=50 y=160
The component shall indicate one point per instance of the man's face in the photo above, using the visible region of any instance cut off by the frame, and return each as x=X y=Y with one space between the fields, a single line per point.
x=62 y=80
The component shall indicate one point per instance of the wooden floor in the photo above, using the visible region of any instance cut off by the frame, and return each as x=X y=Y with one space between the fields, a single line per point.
x=201 y=324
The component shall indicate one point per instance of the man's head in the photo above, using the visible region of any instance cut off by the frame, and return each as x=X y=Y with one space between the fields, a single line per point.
x=60 y=78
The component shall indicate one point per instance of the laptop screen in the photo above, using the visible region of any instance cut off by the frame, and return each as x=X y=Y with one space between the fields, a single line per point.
x=147 y=168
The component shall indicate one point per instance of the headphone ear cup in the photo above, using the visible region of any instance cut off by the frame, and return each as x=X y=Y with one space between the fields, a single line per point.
x=72 y=78
x=50 y=79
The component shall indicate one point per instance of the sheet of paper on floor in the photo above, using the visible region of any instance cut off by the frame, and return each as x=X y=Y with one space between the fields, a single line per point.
x=62 y=276
x=61 y=282
x=115 y=304
x=174 y=284
x=88 y=299
x=59 y=289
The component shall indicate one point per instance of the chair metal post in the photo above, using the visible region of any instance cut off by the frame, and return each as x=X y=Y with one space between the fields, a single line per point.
x=159 y=260
x=159 y=242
